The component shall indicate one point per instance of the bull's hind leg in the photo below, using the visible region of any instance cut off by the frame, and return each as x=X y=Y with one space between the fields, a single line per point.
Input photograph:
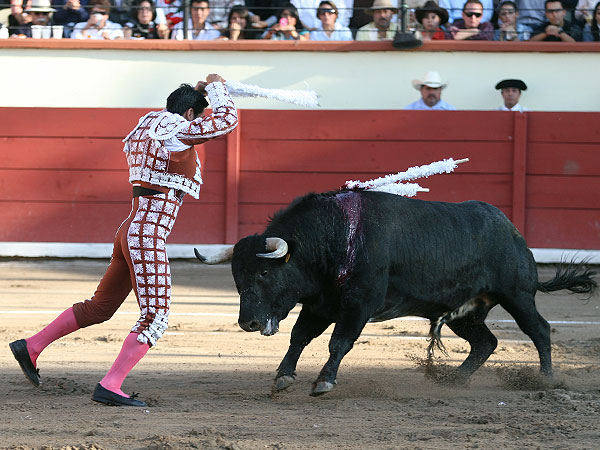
x=522 y=308
x=480 y=338
x=307 y=327
x=467 y=322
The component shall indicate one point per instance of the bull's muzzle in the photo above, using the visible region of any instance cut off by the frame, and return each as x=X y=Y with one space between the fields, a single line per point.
x=268 y=329
x=253 y=325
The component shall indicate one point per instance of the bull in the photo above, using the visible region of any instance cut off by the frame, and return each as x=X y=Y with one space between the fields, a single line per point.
x=352 y=257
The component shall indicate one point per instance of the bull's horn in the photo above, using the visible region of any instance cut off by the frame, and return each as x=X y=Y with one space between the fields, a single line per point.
x=277 y=247
x=222 y=256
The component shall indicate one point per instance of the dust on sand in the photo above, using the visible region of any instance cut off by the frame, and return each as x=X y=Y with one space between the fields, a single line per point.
x=207 y=383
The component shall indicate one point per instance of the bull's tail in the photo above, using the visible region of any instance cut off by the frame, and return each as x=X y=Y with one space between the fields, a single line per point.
x=576 y=278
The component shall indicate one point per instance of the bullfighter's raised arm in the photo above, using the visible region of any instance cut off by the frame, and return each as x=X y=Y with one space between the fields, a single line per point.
x=221 y=121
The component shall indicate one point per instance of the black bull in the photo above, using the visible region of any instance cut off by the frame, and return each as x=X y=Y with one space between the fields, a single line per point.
x=353 y=257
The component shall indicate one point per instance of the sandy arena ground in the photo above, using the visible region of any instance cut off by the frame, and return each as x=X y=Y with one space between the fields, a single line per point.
x=208 y=382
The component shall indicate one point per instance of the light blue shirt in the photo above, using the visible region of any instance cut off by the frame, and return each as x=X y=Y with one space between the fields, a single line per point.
x=440 y=106
x=340 y=33
x=208 y=33
x=523 y=33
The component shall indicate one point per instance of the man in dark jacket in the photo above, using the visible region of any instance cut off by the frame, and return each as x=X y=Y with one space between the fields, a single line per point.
x=70 y=12
x=470 y=26
x=556 y=28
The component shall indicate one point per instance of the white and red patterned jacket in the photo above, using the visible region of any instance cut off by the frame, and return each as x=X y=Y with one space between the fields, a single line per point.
x=160 y=149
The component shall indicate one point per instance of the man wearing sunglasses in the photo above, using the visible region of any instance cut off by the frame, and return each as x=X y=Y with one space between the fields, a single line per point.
x=98 y=26
x=556 y=28
x=470 y=26
x=307 y=11
x=329 y=29
x=455 y=8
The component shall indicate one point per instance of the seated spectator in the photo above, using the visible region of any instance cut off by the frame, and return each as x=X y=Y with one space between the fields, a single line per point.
x=198 y=27
x=470 y=26
x=219 y=12
x=239 y=25
x=456 y=7
x=431 y=19
x=98 y=26
x=18 y=17
x=69 y=13
x=511 y=93
x=590 y=32
x=556 y=28
x=508 y=27
x=3 y=31
x=40 y=12
x=381 y=28
x=329 y=29
x=142 y=24
x=307 y=11
x=431 y=94
x=289 y=26
x=531 y=14
x=584 y=12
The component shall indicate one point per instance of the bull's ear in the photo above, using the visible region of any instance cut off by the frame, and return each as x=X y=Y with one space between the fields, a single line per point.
x=292 y=244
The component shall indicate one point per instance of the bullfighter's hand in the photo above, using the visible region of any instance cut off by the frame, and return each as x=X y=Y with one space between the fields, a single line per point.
x=213 y=77
x=201 y=87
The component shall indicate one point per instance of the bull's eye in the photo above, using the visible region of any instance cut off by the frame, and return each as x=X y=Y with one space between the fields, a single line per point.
x=264 y=273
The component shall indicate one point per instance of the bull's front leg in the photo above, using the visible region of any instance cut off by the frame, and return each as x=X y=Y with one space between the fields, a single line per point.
x=307 y=327
x=346 y=332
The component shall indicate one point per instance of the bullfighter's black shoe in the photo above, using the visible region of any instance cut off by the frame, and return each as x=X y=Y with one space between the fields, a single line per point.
x=19 y=350
x=103 y=395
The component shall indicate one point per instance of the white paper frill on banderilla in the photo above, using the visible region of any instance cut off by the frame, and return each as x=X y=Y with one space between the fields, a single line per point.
x=392 y=183
x=297 y=97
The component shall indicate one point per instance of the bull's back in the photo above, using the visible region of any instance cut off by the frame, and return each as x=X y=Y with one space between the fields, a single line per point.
x=439 y=251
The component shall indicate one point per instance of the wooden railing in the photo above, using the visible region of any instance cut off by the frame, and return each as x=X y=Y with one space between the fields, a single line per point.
x=64 y=177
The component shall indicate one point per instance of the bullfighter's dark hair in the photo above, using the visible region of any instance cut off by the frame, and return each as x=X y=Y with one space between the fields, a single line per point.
x=184 y=98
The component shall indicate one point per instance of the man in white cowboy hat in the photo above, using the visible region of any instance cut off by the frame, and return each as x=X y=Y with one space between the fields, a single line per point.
x=40 y=12
x=431 y=94
x=382 y=28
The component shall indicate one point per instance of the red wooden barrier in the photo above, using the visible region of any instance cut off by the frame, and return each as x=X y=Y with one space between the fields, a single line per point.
x=64 y=179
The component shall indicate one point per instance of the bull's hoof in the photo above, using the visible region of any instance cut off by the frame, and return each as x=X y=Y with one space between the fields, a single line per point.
x=321 y=387
x=282 y=383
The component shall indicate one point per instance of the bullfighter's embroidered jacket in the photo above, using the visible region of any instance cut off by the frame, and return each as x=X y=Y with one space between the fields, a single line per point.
x=160 y=149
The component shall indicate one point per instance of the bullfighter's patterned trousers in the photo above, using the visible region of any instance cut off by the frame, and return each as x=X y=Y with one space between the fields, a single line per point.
x=139 y=261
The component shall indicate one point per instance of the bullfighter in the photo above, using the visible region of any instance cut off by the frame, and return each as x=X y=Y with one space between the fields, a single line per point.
x=163 y=168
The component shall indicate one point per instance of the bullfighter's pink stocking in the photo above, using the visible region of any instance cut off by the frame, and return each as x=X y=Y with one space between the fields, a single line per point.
x=59 y=327
x=131 y=352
